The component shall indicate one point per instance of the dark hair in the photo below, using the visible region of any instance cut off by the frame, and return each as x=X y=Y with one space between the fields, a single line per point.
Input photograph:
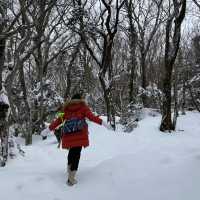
x=77 y=96
x=60 y=108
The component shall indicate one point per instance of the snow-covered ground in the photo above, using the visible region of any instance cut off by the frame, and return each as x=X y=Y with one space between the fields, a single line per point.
x=143 y=165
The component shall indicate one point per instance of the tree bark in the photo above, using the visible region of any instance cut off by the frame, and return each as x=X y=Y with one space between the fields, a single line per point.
x=133 y=44
x=4 y=134
x=183 y=99
x=166 y=123
x=171 y=50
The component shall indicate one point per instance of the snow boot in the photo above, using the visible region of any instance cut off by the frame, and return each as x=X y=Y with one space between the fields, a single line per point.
x=71 y=178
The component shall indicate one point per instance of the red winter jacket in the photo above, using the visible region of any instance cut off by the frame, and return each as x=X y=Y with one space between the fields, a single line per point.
x=78 y=109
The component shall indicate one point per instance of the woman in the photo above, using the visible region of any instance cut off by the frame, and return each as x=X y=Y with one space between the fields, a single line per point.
x=75 y=132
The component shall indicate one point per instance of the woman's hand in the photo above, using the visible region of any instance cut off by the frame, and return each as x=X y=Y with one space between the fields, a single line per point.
x=44 y=133
x=106 y=125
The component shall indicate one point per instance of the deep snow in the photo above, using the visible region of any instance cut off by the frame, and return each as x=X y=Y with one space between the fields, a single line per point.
x=143 y=165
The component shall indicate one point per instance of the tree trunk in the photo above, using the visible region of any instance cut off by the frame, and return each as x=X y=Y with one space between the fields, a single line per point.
x=183 y=99
x=144 y=80
x=175 y=98
x=4 y=134
x=107 y=88
x=2 y=58
x=171 y=50
x=3 y=112
x=3 y=105
x=28 y=134
x=133 y=44
x=166 y=123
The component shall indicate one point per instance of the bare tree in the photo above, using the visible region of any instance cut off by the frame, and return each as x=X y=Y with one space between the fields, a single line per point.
x=197 y=3
x=106 y=28
x=3 y=105
x=51 y=37
x=147 y=15
x=7 y=29
x=172 y=41
x=133 y=40
x=39 y=33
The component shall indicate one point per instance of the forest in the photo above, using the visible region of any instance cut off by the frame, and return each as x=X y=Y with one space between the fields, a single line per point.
x=123 y=55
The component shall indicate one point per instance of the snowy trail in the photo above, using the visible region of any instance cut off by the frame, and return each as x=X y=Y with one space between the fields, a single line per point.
x=143 y=165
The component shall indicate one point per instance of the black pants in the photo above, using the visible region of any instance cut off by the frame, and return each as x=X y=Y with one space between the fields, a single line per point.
x=74 y=157
x=58 y=133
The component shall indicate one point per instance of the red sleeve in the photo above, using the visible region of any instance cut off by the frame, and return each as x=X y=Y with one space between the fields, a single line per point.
x=55 y=123
x=91 y=116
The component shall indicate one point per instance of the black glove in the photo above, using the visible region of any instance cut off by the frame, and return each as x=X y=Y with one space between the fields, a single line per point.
x=44 y=137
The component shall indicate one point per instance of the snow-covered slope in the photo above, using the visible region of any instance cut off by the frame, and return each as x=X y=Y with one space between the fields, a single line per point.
x=143 y=165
